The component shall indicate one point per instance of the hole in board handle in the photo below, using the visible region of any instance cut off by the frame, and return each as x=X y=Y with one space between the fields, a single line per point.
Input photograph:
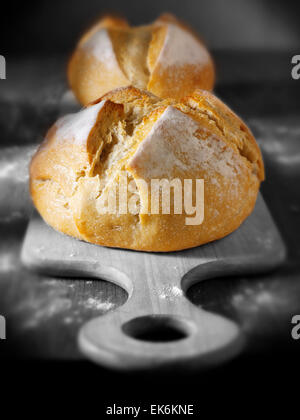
x=157 y=328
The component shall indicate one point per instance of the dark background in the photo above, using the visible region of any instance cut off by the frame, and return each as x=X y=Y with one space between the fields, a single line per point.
x=53 y=26
x=252 y=42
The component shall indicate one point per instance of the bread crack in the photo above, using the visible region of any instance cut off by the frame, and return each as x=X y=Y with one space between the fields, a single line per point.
x=131 y=47
x=238 y=140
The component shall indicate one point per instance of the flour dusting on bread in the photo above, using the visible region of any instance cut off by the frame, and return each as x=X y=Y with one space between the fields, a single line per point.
x=173 y=143
x=77 y=126
x=181 y=48
x=100 y=45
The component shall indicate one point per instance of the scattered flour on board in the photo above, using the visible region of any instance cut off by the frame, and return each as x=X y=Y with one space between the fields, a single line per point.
x=169 y=292
x=54 y=298
x=93 y=303
x=254 y=300
x=7 y=262
x=13 y=215
x=39 y=310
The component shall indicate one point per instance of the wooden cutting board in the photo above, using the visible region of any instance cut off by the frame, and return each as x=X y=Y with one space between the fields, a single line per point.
x=158 y=326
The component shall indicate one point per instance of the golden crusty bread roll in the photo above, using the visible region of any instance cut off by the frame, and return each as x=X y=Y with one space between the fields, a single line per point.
x=132 y=132
x=166 y=58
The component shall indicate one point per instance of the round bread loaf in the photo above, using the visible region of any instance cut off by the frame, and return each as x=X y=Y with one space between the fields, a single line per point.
x=132 y=132
x=165 y=57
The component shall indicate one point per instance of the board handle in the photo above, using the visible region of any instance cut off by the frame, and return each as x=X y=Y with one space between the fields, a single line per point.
x=147 y=332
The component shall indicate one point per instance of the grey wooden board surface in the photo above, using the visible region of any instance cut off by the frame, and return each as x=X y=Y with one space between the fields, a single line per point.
x=156 y=285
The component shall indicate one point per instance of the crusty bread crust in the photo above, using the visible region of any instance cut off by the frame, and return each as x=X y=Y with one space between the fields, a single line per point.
x=166 y=57
x=133 y=131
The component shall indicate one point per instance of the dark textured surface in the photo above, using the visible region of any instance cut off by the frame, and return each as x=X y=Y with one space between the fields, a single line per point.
x=55 y=26
x=29 y=98
x=267 y=99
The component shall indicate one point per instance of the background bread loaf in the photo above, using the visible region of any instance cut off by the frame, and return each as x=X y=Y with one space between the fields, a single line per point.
x=165 y=57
